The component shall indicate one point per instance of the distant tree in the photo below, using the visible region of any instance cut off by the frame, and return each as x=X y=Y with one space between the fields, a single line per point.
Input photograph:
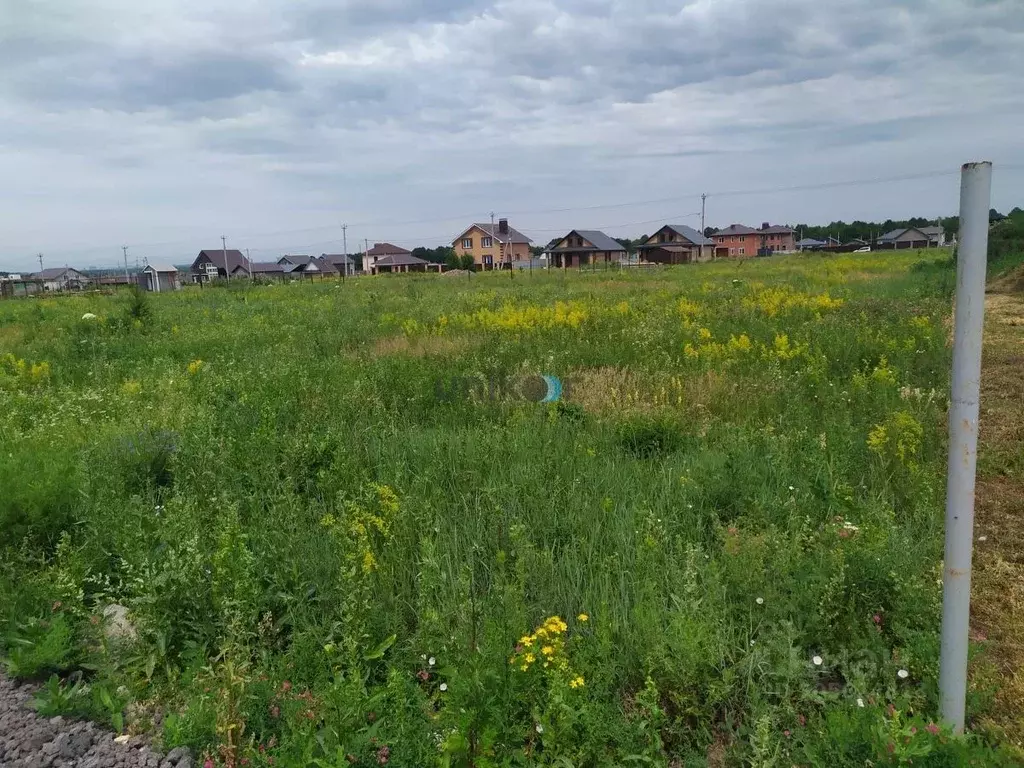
x=709 y=231
x=438 y=255
x=994 y=215
x=536 y=250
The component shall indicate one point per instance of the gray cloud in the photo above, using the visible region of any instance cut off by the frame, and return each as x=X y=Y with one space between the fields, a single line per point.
x=183 y=122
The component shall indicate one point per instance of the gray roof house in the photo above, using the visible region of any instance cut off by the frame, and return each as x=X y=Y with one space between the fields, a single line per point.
x=912 y=237
x=676 y=244
x=62 y=279
x=344 y=264
x=210 y=263
x=585 y=246
x=300 y=265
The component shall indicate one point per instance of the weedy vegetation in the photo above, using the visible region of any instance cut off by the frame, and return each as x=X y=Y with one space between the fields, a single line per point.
x=722 y=547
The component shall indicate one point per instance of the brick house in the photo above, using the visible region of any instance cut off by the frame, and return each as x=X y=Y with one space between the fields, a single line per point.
x=382 y=252
x=738 y=240
x=493 y=246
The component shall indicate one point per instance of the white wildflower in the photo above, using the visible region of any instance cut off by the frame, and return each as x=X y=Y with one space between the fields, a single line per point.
x=860 y=702
x=88 y=316
x=816 y=660
x=444 y=687
x=760 y=601
x=903 y=674
x=539 y=728
x=431 y=661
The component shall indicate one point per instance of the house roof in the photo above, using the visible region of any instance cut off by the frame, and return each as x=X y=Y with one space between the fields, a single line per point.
x=336 y=258
x=598 y=240
x=809 y=242
x=305 y=264
x=52 y=273
x=513 y=236
x=266 y=267
x=161 y=268
x=216 y=255
x=736 y=229
x=928 y=232
x=386 y=249
x=691 y=234
x=399 y=260
x=776 y=229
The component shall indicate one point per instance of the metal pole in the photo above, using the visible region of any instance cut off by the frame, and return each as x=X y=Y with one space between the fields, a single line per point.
x=124 y=250
x=703 y=198
x=975 y=193
x=224 y=250
x=344 y=241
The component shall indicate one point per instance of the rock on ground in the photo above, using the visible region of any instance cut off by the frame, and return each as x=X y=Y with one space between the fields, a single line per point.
x=30 y=741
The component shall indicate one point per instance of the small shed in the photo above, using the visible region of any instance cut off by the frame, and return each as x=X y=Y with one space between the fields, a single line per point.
x=160 y=277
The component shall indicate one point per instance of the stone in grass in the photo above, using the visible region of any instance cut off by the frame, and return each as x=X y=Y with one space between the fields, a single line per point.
x=186 y=762
x=116 y=625
x=176 y=754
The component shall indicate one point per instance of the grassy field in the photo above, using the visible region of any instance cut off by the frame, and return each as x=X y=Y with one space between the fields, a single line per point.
x=347 y=534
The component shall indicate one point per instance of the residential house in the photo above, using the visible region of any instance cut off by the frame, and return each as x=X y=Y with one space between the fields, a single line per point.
x=810 y=244
x=306 y=266
x=260 y=269
x=159 y=278
x=583 y=247
x=493 y=246
x=216 y=262
x=381 y=251
x=676 y=244
x=912 y=237
x=343 y=264
x=402 y=262
x=740 y=240
x=62 y=279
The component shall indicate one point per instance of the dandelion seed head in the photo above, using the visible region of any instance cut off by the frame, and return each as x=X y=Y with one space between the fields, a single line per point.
x=816 y=660
x=443 y=687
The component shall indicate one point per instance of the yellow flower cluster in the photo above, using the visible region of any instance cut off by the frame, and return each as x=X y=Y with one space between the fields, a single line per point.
x=713 y=350
x=564 y=314
x=20 y=370
x=131 y=387
x=777 y=300
x=899 y=438
x=366 y=527
x=194 y=367
x=546 y=648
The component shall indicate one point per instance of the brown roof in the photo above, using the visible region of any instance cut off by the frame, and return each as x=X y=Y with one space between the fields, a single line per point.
x=399 y=260
x=386 y=249
x=216 y=255
x=513 y=236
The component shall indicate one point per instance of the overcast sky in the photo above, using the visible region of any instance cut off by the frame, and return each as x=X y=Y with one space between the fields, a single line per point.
x=164 y=124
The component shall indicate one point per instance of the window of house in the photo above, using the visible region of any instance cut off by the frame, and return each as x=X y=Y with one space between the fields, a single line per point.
x=742 y=238
x=467 y=242
x=732 y=251
x=741 y=250
x=485 y=242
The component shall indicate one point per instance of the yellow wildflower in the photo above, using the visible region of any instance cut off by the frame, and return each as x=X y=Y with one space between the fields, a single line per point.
x=583 y=617
x=194 y=366
x=526 y=640
x=704 y=333
x=547 y=650
x=576 y=682
x=529 y=658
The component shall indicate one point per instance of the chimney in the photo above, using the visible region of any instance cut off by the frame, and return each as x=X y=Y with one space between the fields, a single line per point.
x=765 y=225
x=502 y=226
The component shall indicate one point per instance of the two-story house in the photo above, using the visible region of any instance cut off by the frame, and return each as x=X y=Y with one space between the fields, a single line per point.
x=385 y=253
x=739 y=240
x=676 y=244
x=217 y=262
x=493 y=246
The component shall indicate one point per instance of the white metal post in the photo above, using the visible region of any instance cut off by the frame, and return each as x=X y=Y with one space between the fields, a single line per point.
x=975 y=194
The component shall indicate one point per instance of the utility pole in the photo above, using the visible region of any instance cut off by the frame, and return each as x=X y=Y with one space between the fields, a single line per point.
x=344 y=245
x=40 y=257
x=703 y=198
x=366 y=253
x=975 y=198
x=492 y=235
x=224 y=250
x=252 y=275
x=124 y=249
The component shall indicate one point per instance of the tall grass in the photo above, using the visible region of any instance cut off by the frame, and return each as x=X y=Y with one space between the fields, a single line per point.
x=335 y=519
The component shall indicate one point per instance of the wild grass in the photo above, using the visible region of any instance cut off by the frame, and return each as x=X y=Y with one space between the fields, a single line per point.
x=335 y=549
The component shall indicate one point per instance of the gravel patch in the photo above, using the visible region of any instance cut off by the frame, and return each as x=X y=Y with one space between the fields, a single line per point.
x=30 y=741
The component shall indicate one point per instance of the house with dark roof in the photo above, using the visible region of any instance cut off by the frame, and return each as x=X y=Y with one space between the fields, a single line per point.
x=62 y=279
x=740 y=240
x=381 y=251
x=493 y=246
x=676 y=244
x=402 y=262
x=343 y=264
x=216 y=262
x=583 y=247
x=912 y=237
x=306 y=266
